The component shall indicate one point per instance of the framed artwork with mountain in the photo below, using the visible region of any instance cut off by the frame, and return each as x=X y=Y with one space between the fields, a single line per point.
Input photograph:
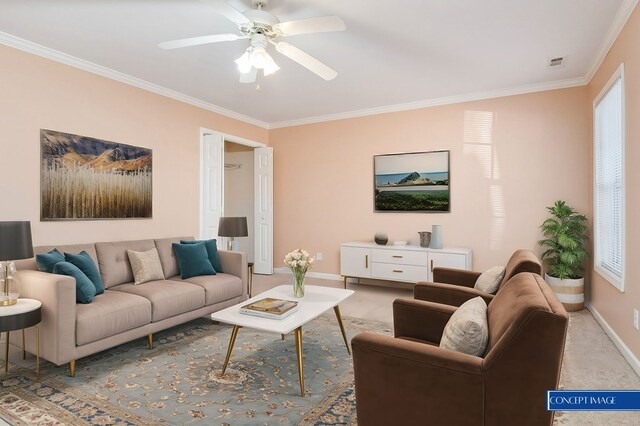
x=84 y=178
x=412 y=182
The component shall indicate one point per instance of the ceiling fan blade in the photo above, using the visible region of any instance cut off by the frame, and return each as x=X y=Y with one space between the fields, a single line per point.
x=306 y=60
x=312 y=25
x=249 y=77
x=195 y=41
x=228 y=11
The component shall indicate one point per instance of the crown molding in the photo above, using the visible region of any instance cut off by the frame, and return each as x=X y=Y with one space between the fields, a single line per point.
x=55 y=55
x=619 y=21
x=427 y=103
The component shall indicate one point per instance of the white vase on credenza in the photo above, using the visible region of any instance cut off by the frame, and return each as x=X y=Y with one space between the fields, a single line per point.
x=436 y=237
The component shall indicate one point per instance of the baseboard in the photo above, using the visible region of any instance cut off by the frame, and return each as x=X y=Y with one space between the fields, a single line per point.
x=633 y=361
x=321 y=275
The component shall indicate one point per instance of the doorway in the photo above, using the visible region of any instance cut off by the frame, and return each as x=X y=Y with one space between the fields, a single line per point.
x=236 y=178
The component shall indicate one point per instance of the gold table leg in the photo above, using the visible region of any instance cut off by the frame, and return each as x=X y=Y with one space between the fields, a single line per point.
x=299 y=353
x=6 y=355
x=234 y=333
x=24 y=351
x=250 y=279
x=37 y=349
x=336 y=309
x=72 y=368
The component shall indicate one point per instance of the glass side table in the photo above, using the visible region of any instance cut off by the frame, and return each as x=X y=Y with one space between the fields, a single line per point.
x=24 y=314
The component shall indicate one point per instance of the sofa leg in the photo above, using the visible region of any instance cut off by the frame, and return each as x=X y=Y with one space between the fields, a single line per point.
x=150 y=340
x=72 y=368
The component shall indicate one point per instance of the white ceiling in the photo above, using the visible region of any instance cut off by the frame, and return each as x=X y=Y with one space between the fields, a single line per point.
x=393 y=52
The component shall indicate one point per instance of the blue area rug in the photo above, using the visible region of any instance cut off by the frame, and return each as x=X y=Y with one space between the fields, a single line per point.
x=179 y=383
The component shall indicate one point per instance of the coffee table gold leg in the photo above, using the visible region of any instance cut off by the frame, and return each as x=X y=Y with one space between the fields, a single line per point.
x=6 y=355
x=234 y=333
x=37 y=349
x=24 y=351
x=299 y=352
x=336 y=309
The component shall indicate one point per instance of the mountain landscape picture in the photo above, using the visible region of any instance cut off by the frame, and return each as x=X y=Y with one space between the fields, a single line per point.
x=416 y=182
x=87 y=178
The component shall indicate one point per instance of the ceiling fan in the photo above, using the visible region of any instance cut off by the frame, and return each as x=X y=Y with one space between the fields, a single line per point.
x=262 y=29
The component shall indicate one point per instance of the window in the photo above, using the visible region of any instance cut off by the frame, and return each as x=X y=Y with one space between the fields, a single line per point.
x=609 y=180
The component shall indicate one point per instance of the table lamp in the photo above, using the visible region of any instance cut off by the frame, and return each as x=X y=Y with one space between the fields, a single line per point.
x=233 y=227
x=15 y=244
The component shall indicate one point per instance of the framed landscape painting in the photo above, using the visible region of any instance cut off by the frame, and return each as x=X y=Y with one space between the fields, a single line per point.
x=84 y=178
x=412 y=182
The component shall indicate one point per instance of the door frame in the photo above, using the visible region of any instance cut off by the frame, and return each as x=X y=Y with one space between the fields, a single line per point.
x=225 y=137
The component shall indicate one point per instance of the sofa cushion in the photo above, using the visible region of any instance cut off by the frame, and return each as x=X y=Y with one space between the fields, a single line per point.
x=88 y=266
x=522 y=260
x=70 y=248
x=111 y=313
x=145 y=265
x=46 y=261
x=168 y=256
x=85 y=290
x=114 y=262
x=168 y=298
x=212 y=252
x=467 y=330
x=489 y=281
x=218 y=288
x=193 y=260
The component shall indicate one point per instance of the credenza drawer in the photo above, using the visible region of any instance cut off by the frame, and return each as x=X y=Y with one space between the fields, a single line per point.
x=409 y=273
x=400 y=257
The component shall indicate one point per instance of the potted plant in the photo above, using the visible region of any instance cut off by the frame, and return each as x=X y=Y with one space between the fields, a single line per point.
x=564 y=237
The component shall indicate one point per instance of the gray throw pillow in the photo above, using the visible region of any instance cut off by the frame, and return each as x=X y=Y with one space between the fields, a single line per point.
x=467 y=330
x=489 y=281
x=145 y=265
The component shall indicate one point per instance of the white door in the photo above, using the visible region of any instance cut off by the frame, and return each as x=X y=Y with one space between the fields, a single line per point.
x=263 y=229
x=212 y=185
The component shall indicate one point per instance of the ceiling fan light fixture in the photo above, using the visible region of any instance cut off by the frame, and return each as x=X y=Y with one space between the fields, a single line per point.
x=244 y=62
x=271 y=67
x=259 y=57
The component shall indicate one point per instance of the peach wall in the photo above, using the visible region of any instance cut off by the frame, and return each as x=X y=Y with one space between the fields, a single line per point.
x=616 y=307
x=37 y=93
x=510 y=157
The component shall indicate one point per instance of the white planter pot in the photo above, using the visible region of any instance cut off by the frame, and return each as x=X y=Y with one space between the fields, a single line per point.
x=569 y=292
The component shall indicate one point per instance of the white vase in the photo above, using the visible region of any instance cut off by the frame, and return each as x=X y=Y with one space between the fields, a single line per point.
x=570 y=292
x=436 y=237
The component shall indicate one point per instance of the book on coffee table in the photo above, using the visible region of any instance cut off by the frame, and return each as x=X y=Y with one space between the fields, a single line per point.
x=270 y=308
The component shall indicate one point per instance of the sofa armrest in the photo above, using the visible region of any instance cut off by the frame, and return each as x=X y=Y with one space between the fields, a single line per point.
x=408 y=383
x=448 y=294
x=420 y=320
x=235 y=263
x=57 y=293
x=455 y=276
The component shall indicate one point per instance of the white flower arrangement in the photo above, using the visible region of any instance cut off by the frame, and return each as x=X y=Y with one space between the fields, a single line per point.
x=299 y=261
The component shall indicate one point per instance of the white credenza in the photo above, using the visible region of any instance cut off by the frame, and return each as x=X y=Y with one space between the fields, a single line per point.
x=409 y=264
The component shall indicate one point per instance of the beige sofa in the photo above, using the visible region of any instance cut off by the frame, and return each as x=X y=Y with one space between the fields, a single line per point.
x=124 y=312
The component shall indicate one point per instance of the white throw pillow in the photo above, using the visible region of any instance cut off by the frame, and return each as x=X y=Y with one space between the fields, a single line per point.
x=145 y=265
x=489 y=281
x=467 y=330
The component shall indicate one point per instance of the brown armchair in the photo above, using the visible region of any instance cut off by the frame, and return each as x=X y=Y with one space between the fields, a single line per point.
x=409 y=380
x=455 y=286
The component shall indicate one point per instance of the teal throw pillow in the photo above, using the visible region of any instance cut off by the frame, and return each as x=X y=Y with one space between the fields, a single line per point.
x=86 y=264
x=193 y=260
x=46 y=261
x=212 y=252
x=85 y=290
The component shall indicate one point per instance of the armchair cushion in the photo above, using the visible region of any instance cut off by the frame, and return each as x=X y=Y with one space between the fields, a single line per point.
x=489 y=281
x=467 y=330
x=460 y=277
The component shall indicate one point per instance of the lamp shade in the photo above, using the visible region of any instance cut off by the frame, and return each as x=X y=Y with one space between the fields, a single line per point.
x=233 y=227
x=15 y=240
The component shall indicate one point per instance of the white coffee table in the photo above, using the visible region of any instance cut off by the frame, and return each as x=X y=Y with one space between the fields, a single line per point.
x=316 y=301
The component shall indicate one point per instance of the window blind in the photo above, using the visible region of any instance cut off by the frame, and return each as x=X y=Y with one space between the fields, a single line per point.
x=608 y=134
